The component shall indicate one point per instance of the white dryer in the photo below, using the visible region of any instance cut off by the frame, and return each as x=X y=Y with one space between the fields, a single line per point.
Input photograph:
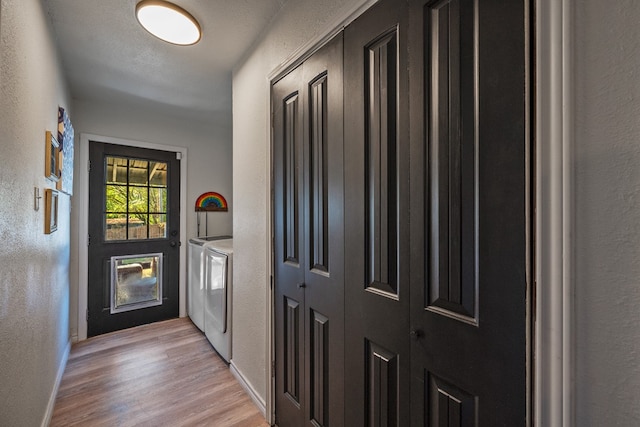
x=218 y=260
x=196 y=278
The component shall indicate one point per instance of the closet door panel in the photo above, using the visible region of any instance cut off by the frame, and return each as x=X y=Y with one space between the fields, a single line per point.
x=289 y=255
x=376 y=218
x=470 y=212
x=324 y=213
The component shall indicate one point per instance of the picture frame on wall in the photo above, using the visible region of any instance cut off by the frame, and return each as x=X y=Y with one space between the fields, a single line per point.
x=50 y=211
x=52 y=157
x=66 y=140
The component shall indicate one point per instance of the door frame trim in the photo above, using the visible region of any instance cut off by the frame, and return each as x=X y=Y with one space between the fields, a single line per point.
x=554 y=364
x=83 y=219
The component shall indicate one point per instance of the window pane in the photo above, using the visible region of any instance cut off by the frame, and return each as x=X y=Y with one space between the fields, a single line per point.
x=115 y=227
x=157 y=200
x=116 y=200
x=138 y=200
x=138 y=171
x=157 y=226
x=116 y=170
x=158 y=174
x=138 y=226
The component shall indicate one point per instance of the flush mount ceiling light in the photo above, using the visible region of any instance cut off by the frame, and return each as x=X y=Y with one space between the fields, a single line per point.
x=168 y=22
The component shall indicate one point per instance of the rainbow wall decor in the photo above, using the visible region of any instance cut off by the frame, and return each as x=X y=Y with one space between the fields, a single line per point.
x=211 y=201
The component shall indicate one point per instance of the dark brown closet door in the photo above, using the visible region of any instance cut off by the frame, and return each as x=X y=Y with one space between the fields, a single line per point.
x=376 y=218
x=469 y=217
x=309 y=241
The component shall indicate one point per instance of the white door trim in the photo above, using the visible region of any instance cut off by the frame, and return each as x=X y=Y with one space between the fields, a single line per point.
x=554 y=278
x=83 y=219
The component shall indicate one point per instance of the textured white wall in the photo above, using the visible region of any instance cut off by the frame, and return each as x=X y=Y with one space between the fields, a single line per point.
x=298 y=23
x=607 y=140
x=209 y=159
x=34 y=279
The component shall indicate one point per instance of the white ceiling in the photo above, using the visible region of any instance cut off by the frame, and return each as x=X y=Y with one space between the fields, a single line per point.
x=108 y=56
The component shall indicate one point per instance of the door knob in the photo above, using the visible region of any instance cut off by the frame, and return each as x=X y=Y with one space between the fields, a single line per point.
x=172 y=243
x=301 y=285
x=416 y=333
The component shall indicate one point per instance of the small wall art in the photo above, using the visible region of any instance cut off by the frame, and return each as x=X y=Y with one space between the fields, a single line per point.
x=50 y=211
x=211 y=201
x=65 y=139
x=52 y=157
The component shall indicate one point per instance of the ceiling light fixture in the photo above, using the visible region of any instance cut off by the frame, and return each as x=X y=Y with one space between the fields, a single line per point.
x=168 y=22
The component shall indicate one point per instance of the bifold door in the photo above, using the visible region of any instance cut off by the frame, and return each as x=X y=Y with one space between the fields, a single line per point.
x=433 y=330
x=469 y=212
x=377 y=217
x=309 y=243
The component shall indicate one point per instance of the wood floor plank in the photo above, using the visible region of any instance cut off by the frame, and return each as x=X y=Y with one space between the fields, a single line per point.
x=163 y=374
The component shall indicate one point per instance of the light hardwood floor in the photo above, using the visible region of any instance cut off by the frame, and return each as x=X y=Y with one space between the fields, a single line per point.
x=163 y=374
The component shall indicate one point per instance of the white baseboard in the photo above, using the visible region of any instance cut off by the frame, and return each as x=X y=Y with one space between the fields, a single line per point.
x=52 y=399
x=257 y=399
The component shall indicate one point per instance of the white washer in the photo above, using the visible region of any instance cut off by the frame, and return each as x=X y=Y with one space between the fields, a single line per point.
x=196 y=279
x=218 y=259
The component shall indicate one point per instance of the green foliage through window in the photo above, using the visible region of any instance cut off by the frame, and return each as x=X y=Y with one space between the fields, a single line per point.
x=139 y=201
